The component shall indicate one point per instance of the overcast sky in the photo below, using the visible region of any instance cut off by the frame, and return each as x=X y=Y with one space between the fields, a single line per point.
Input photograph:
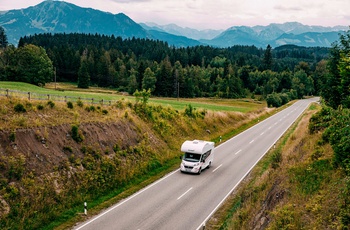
x=216 y=14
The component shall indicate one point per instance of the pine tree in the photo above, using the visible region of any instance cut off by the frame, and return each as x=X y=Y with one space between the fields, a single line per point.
x=3 y=38
x=267 y=58
x=83 y=74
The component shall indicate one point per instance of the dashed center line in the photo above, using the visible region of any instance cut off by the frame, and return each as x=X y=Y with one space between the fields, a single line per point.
x=184 y=193
x=217 y=168
x=238 y=151
x=251 y=142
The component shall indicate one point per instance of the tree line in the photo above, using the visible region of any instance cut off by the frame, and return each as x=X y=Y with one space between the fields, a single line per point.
x=284 y=73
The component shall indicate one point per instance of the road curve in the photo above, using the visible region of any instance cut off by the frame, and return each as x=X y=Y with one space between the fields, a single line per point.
x=185 y=201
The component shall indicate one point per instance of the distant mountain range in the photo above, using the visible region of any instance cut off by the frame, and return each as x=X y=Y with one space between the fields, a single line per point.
x=62 y=17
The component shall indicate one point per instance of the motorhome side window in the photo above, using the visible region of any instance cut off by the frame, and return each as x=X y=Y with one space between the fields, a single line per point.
x=206 y=155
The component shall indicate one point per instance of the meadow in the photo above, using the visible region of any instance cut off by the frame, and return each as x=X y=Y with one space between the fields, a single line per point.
x=73 y=93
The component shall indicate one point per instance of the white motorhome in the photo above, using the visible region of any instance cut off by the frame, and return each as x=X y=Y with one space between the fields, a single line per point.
x=198 y=155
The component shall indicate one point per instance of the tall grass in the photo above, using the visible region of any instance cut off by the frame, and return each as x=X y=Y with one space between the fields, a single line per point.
x=289 y=188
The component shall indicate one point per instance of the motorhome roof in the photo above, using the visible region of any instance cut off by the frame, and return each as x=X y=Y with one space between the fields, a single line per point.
x=196 y=146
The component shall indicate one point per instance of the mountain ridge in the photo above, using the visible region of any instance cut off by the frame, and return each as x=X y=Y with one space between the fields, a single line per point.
x=62 y=17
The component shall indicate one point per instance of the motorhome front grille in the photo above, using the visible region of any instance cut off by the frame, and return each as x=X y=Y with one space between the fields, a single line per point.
x=188 y=167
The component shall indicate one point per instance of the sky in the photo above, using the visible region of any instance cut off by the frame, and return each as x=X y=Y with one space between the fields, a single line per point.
x=216 y=14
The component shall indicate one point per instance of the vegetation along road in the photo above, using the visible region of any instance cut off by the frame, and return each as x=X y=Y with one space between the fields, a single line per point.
x=184 y=201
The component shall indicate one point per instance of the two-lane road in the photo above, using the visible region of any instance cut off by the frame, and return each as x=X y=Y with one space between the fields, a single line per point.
x=185 y=201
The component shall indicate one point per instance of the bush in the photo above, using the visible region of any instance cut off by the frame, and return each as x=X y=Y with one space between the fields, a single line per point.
x=76 y=134
x=104 y=112
x=40 y=107
x=273 y=100
x=116 y=148
x=51 y=104
x=189 y=111
x=67 y=149
x=70 y=105
x=90 y=108
x=19 y=108
x=80 y=103
x=276 y=158
x=12 y=136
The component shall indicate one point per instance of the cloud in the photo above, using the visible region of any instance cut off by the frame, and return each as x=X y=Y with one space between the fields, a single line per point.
x=284 y=8
x=130 y=1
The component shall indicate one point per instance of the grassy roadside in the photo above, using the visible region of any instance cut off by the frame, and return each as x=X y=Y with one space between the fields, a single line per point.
x=164 y=124
x=139 y=183
x=293 y=187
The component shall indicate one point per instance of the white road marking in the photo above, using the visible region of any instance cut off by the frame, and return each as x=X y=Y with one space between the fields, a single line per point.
x=217 y=168
x=119 y=204
x=251 y=142
x=238 y=151
x=184 y=194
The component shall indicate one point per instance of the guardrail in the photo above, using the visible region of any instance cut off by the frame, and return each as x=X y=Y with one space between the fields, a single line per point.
x=51 y=97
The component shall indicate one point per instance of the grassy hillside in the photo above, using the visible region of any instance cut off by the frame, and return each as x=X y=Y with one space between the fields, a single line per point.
x=294 y=187
x=73 y=93
x=57 y=155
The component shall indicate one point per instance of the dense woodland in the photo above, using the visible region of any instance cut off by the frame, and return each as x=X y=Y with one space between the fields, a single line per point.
x=278 y=74
x=135 y=64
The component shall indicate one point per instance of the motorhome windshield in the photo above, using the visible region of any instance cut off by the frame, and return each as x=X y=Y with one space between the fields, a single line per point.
x=192 y=157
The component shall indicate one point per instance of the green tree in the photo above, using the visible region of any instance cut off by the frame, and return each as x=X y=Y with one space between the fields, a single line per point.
x=267 y=61
x=132 y=82
x=332 y=90
x=83 y=74
x=165 y=81
x=149 y=80
x=344 y=71
x=32 y=65
x=3 y=38
x=142 y=96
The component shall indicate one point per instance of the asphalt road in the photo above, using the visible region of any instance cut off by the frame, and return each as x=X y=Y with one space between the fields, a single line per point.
x=186 y=201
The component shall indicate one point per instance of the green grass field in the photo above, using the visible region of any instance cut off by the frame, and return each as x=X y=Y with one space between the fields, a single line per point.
x=69 y=90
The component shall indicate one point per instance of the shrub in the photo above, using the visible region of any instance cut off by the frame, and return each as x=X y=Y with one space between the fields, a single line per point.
x=72 y=159
x=19 y=108
x=80 y=103
x=12 y=136
x=276 y=158
x=51 y=104
x=40 y=107
x=273 y=100
x=189 y=111
x=76 y=134
x=70 y=105
x=90 y=108
x=67 y=149
x=104 y=112
x=116 y=148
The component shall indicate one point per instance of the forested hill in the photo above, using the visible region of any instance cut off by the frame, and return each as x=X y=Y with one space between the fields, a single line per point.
x=200 y=71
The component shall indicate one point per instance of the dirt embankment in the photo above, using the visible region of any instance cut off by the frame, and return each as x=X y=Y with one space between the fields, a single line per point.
x=45 y=148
